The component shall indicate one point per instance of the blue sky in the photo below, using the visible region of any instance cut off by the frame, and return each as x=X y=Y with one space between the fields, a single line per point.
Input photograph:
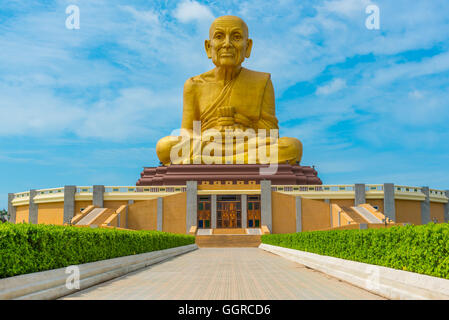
x=87 y=106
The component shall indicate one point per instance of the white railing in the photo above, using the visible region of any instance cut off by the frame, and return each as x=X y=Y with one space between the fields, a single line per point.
x=374 y=187
x=437 y=193
x=346 y=188
x=408 y=189
x=313 y=188
x=84 y=189
x=151 y=189
x=50 y=191
x=22 y=195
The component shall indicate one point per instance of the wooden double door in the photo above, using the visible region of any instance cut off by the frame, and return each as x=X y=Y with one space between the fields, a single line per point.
x=229 y=211
x=253 y=212
x=204 y=212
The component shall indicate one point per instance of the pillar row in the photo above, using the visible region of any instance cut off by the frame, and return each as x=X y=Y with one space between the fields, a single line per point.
x=425 y=206
x=389 y=204
x=130 y=202
x=265 y=204
x=244 y=210
x=11 y=208
x=446 y=208
x=160 y=212
x=360 y=194
x=298 y=214
x=69 y=203
x=98 y=196
x=213 y=207
x=33 y=208
x=192 y=204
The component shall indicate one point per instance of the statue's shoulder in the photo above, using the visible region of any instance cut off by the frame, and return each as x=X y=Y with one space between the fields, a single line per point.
x=207 y=76
x=256 y=75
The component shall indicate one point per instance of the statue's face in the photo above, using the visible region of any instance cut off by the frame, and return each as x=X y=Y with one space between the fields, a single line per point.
x=228 y=44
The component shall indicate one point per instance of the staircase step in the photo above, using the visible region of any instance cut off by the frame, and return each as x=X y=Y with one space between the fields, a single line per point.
x=229 y=231
x=226 y=240
x=354 y=215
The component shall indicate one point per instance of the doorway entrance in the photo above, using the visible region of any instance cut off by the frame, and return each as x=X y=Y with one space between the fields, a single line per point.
x=204 y=212
x=229 y=211
x=254 y=211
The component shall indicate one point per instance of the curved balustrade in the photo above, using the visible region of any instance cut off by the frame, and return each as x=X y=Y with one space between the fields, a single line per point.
x=373 y=191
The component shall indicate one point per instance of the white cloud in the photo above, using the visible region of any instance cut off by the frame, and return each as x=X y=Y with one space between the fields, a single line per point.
x=347 y=7
x=332 y=87
x=416 y=94
x=433 y=65
x=188 y=11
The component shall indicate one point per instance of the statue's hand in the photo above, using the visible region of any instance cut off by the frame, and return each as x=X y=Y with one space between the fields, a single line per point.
x=226 y=117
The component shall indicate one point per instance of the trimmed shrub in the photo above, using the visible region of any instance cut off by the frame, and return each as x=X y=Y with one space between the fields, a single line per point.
x=27 y=248
x=422 y=249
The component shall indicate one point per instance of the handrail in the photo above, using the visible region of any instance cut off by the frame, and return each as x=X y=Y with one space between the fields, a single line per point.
x=132 y=189
x=331 y=188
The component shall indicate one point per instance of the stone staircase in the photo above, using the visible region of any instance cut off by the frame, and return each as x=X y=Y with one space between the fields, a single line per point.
x=226 y=238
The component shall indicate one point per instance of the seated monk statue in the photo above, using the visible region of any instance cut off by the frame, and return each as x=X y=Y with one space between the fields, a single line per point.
x=230 y=97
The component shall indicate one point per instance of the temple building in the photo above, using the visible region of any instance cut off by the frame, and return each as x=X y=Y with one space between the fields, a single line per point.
x=229 y=173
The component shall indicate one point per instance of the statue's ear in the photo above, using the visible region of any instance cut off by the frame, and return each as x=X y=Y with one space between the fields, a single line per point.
x=207 y=47
x=248 y=48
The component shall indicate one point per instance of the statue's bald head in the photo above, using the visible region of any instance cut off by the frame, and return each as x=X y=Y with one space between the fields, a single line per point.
x=228 y=43
x=227 y=21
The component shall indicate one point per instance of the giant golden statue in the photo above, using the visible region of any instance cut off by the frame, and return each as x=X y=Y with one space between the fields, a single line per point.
x=230 y=97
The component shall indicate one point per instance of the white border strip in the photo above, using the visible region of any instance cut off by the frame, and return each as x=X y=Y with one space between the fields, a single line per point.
x=387 y=282
x=51 y=284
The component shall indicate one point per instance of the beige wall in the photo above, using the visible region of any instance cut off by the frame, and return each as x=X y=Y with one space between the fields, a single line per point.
x=81 y=205
x=377 y=202
x=174 y=217
x=437 y=211
x=143 y=215
x=343 y=202
x=283 y=213
x=22 y=214
x=114 y=204
x=408 y=211
x=344 y=219
x=315 y=215
x=51 y=213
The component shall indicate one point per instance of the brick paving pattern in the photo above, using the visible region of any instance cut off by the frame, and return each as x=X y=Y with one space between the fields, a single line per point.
x=225 y=273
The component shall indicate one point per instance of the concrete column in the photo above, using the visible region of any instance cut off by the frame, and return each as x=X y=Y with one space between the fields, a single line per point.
x=446 y=208
x=265 y=204
x=213 y=209
x=98 y=196
x=425 y=206
x=130 y=202
x=69 y=203
x=244 y=210
x=33 y=208
x=389 y=205
x=298 y=214
x=192 y=204
x=160 y=212
x=360 y=194
x=328 y=201
x=11 y=208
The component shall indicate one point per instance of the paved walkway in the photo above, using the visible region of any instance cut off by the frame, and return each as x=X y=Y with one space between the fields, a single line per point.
x=225 y=273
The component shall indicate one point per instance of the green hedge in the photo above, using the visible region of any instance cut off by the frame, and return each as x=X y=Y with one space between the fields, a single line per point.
x=421 y=249
x=26 y=248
